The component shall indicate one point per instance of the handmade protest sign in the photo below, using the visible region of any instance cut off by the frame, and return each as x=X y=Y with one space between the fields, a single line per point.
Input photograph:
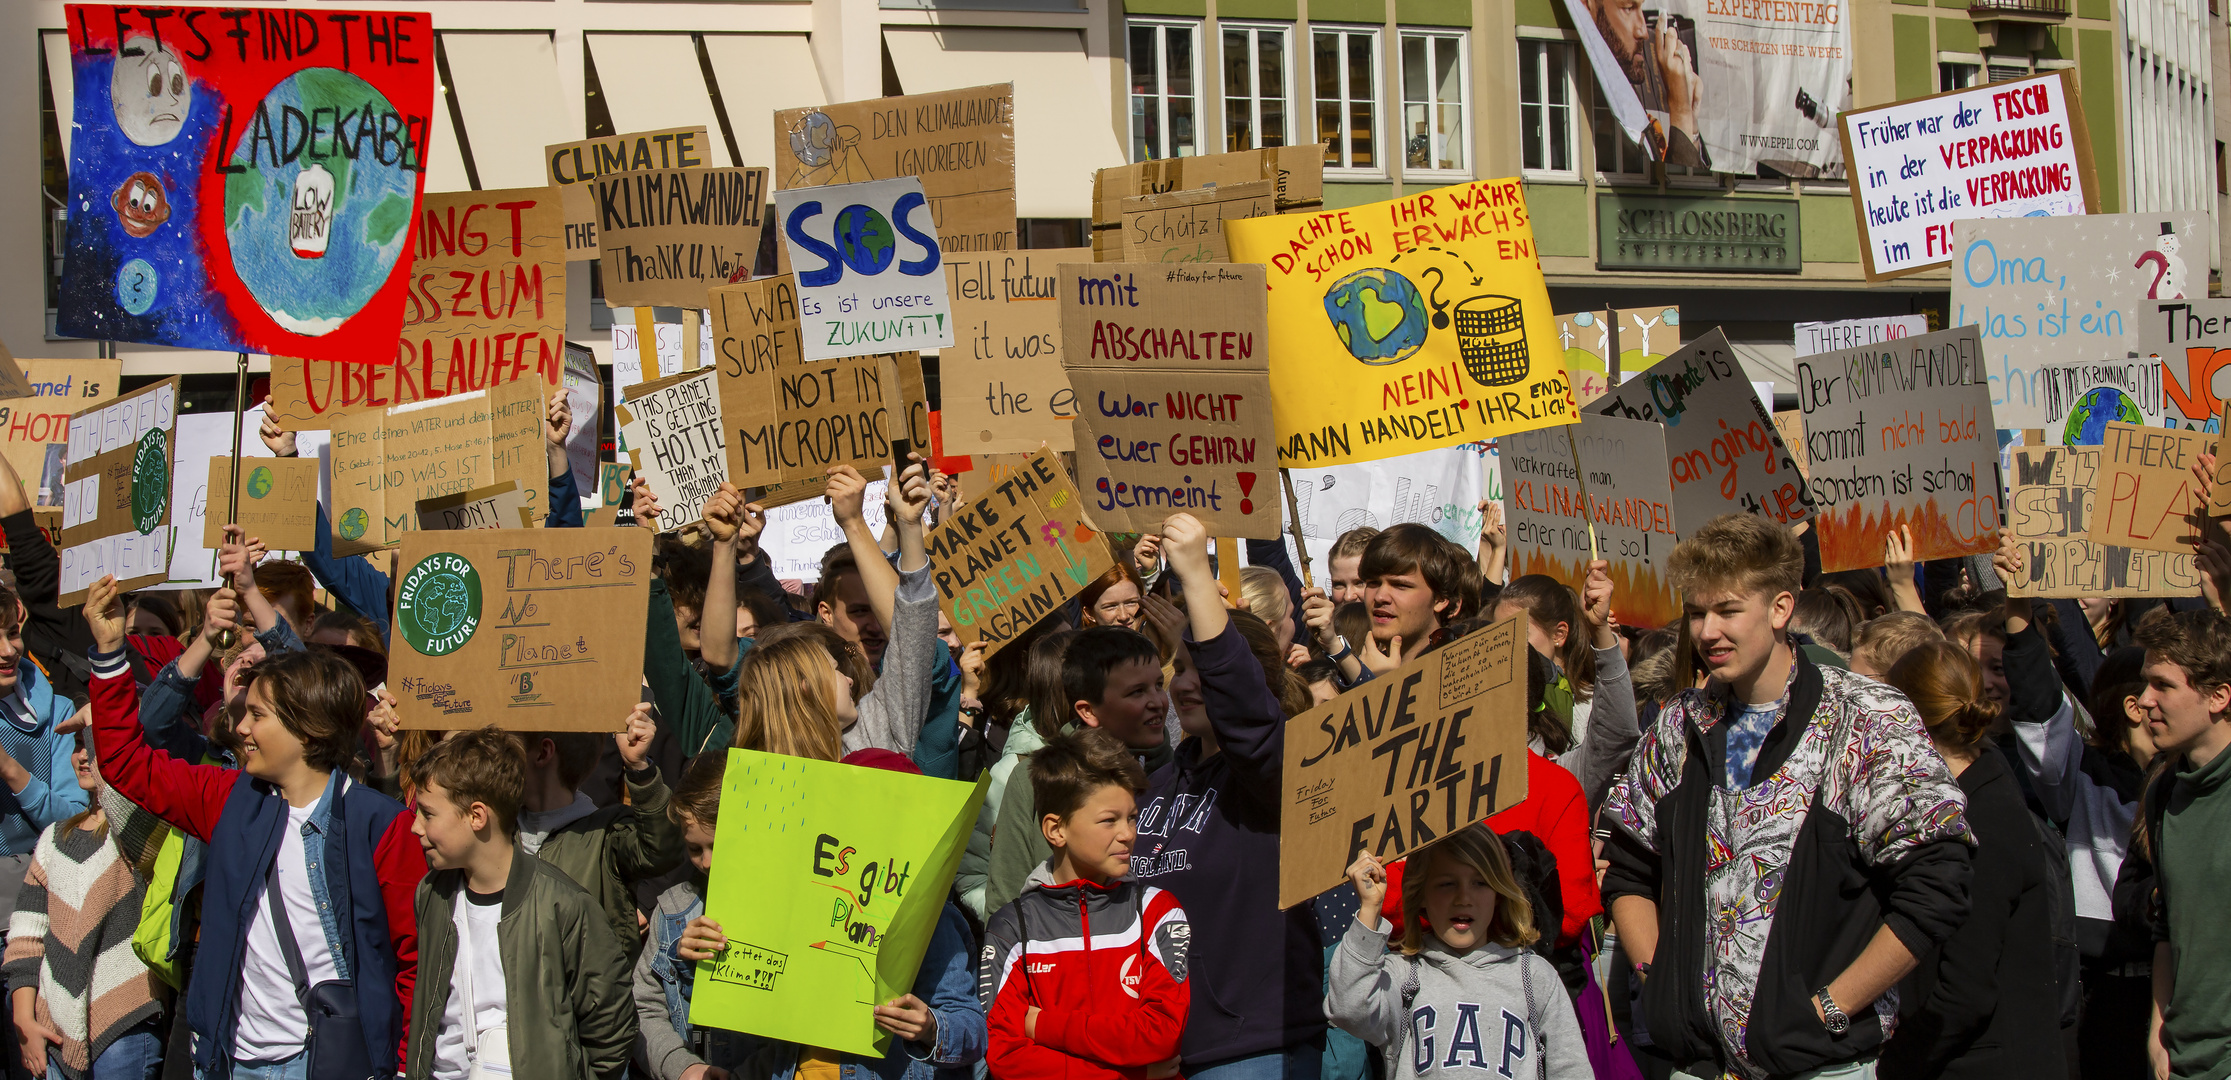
x=868 y=268
x=2005 y=150
x=1621 y=486
x=1599 y=344
x=1791 y=426
x=199 y=436
x=35 y=431
x=2146 y=495
x=1188 y=226
x=1406 y=325
x=1437 y=488
x=384 y=462
x=572 y=166
x=1899 y=435
x=2049 y=513
x=830 y=884
x=666 y=236
x=2193 y=340
x=961 y=143
x=675 y=434
x=2082 y=398
x=1725 y=452
x=1820 y=337
x=1405 y=759
x=278 y=501
x=1004 y=389
x=245 y=180
x=528 y=629
x=497 y=506
x=1296 y=174
x=116 y=492
x=1021 y=548
x=1172 y=376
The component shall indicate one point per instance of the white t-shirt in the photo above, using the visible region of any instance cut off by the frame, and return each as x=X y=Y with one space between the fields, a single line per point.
x=478 y=953
x=272 y=1024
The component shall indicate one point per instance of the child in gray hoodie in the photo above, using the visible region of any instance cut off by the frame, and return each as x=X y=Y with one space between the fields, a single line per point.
x=1465 y=992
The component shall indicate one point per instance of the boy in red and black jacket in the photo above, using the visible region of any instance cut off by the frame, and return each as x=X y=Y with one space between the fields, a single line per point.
x=1083 y=975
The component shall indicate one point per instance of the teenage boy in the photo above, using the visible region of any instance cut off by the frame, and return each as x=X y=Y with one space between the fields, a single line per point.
x=1413 y=583
x=605 y=850
x=1058 y=1006
x=528 y=983
x=1786 y=841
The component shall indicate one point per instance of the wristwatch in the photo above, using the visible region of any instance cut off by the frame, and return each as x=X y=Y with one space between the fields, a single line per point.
x=1830 y=1015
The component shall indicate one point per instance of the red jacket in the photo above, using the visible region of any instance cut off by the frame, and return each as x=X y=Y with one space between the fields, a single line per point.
x=1104 y=965
x=1556 y=811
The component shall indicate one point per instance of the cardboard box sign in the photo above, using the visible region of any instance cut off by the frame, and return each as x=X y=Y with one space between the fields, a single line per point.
x=1296 y=172
x=116 y=491
x=385 y=462
x=2146 y=496
x=2050 y=503
x=571 y=166
x=961 y=143
x=678 y=441
x=278 y=501
x=497 y=506
x=1404 y=760
x=533 y=630
x=665 y=237
x=1018 y=549
x=1187 y=226
x=35 y=431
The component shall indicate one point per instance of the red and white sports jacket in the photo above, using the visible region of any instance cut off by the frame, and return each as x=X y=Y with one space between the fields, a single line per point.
x=1105 y=967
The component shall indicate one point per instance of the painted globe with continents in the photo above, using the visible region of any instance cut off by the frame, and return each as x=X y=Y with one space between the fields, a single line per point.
x=864 y=239
x=259 y=482
x=353 y=523
x=2099 y=407
x=318 y=212
x=150 y=481
x=1378 y=314
x=444 y=601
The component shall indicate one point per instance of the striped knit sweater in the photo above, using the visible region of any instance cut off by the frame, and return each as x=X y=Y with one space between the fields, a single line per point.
x=71 y=935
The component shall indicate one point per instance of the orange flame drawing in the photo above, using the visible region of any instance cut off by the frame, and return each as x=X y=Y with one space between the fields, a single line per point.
x=1851 y=536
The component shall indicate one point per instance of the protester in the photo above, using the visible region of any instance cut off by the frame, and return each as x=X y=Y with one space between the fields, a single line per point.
x=1039 y=721
x=1600 y=706
x=1884 y=639
x=1112 y=599
x=1345 y=562
x=606 y=850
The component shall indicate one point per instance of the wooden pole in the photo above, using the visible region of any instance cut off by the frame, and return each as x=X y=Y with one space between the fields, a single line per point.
x=232 y=490
x=1293 y=514
x=1580 y=477
x=692 y=326
x=646 y=344
x=1227 y=567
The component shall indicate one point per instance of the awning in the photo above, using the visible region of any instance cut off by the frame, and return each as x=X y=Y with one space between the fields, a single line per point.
x=759 y=75
x=653 y=81
x=507 y=88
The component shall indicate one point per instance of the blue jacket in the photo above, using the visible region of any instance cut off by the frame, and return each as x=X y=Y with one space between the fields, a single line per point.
x=52 y=794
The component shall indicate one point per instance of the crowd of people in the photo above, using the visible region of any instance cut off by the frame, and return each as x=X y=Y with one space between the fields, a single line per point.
x=1885 y=823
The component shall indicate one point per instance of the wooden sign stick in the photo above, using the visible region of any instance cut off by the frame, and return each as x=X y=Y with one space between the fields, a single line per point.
x=1293 y=514
x=1580 y=477
x=226 y=638
x=646 y=344
x=692 y=321
x=1227 y=567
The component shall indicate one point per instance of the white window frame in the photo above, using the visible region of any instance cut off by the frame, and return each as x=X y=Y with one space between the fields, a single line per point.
x=1436 y=40
x=1257 y=92
x=1160 y=99
x=1348 y=101
x=1539 y=60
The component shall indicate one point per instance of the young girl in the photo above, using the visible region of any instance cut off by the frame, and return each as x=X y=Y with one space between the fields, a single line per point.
x=1465 y=991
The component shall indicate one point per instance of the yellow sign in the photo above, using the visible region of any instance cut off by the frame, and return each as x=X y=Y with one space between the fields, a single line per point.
x=1407 y=325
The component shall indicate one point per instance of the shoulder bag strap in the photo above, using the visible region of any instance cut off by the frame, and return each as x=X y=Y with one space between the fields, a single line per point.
x=1533 y=1015
x=276 y=904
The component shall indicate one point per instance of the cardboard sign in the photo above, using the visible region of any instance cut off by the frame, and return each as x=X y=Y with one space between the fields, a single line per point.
x=2192 y=338
x=2005 y=150
x=278 y=501
x=531 y=630
x=497 y=506
x=385 y=462
x=1900 y=434
x=677 y=439
x=612 y=482
x=1628 y=492
x=1405 y=759
x=571 y=166
x=961 y=143
x=789 y=422
x=1296 y=173
x=1727 y=456
x=869 y=269
x=116 y=491
x=1172 y=375
x=2082 y=398
x=35 y=431
x=665 y=237
x=1819 y=337
x=1791 y=426
x=2146 y=496
x=798 y=836
x=2049 y=511
x=1601 y=343
x=1407 y=325
x=245 y=184
x=1188 y=226
x=665 y=356
x=1020 y=548
x=1004 y=389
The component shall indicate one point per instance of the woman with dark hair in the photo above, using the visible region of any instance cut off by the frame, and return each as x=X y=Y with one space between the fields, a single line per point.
x=1039 y=720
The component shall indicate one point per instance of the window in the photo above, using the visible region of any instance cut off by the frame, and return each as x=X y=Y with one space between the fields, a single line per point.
x=1163 y=76
x=1345 y=66
x=1255 y=89
x=1958 y=76
x=1616 y=154
x=2007 y=68
x=1435 y=137
x=1545 y=106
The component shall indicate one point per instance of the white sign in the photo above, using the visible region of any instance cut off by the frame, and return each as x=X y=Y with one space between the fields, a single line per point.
x=1812 y=338
x=584 y=392
x=798 y=535
x=675 y=434
x=202 y=436
x=871 y=278
x=1440 y=488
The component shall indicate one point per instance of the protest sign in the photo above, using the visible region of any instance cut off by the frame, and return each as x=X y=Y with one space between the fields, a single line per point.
x=798 y=534
x=612 y=482
x=1819 y=337
x=1004 y=390
x=2004 y=150
x=254 y=195
x=1457 y=715
x=497 y=506
x=2192 y=338
x=1600 y=345
x=1791 y=426
x=385 y=461
x=868 y=270
x=676 y=437
x=2049 y=513
x=788 y=421
x=2082 y=398
x=1172 y=376
x=2072 y=290
x=199 y=437
x=1621 y=486
x=1725 y=452
x=530 y=630
x=2146 y=495
x=1296 y=173
x=278 y=501
x=572 y=166
x=1436 y=488
x=1188 y=226
x=666 y=236
x=35 y=431
x=1407 y=325
x=116 y=491
x=830 y=884
x=584 y=386
x=1019 y=549
x=961 y=143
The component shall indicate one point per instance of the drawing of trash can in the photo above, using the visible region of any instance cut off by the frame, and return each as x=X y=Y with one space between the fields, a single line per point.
x=1491 y=333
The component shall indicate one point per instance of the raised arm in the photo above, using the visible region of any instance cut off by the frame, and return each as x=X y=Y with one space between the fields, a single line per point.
x=893 y=714
x=565 y=494
x=1609 y=743
x=728 y=519
x=188 y=796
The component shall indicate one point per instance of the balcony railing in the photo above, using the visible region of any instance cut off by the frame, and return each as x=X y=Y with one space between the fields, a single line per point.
x=2018 y=9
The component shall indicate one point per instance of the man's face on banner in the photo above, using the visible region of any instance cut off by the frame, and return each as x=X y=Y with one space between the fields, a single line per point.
x=1623 y=29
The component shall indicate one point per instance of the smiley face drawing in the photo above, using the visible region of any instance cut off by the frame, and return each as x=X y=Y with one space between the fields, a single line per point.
x=141 y=206
x=149 y=91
